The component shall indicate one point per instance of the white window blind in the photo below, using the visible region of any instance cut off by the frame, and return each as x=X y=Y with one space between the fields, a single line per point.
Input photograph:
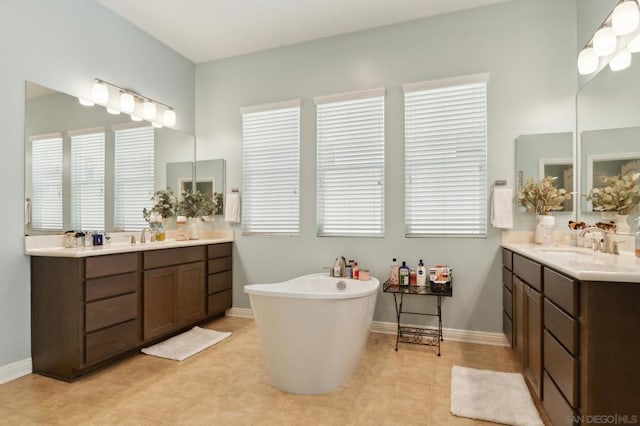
x=350 y=164
x=46 y=184
x=134 y=176
x=446 y=157
x=87 y=181
x=271 y=169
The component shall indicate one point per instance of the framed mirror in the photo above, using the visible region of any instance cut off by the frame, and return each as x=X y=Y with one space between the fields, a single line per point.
x=86 y=169
x=608 y=132
x=542 y=155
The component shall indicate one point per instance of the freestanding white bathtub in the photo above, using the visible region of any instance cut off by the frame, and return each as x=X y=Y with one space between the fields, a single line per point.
x=313 y=331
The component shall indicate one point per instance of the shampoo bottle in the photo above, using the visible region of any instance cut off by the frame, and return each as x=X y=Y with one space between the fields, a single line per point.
x=404 y=273
x=422 y=274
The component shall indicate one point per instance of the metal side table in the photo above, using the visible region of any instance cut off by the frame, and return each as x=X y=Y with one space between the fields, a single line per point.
x=418 y=335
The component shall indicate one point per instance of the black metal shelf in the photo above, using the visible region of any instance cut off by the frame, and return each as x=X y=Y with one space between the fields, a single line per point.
x=419 y=335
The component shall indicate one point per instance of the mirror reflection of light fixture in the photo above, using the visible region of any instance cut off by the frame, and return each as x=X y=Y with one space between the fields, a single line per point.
x=625 y=18
x=621 y=61
x=127 y=102
x=149 y=110
x=157 y=113
x=587 y=61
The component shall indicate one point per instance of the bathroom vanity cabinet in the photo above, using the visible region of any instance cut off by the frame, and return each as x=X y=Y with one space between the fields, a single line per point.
x=578 y=341
x=88 y=311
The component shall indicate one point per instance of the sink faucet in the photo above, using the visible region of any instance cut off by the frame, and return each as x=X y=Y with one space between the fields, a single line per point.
x=596 y=245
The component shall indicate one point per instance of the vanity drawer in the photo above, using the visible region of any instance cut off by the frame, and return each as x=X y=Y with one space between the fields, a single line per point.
x=112 y=264
x=507 y=301
x=528 y=270
x=111 y=341
x=507 y=259
x=507 y=278
x=220 y=281
x=110 y=311
x=174 y=256
x=507 y=328
x=562 y=326
x=219 y=302
x=562 y=290
x=556 y=407
x=219 y=250
x=220 y=264
x=100 y=288
x=562 y=367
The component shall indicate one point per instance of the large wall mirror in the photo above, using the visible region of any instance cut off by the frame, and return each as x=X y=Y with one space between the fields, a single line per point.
x=608 y=131
x=541 y=155
x=87 y=169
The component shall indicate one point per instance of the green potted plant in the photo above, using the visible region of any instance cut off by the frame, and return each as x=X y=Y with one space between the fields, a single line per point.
x=617 y=194
x=195 y=205
x=164 y=207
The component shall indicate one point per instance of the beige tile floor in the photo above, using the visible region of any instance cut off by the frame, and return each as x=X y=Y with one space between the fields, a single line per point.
x=228 y=385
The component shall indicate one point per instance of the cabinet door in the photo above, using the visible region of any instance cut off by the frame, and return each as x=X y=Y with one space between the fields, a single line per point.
x=191 y=293
x=160 y=301
x=518 y=317
x=533 y=339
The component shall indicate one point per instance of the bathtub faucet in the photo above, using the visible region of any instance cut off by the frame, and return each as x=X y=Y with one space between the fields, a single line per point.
x=338 y=267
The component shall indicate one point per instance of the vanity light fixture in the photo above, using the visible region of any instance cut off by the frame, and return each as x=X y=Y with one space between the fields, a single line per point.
x=157 y=113
x=622 y=21
x=625 y=18
x=127 y=102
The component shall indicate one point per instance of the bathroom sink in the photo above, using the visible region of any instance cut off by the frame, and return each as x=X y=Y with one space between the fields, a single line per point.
x=565 y=251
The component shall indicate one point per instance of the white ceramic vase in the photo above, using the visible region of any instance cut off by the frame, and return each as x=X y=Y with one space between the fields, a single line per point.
x=622 y=224
x=194 y=231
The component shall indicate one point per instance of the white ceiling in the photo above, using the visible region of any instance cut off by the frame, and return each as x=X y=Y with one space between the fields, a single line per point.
x=205 y=30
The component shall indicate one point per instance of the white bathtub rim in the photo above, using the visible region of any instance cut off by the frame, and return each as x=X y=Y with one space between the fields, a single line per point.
x=275 y=289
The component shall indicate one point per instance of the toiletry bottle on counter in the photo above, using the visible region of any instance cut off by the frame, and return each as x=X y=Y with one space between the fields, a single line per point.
x=160 y=235
x=403 y=273
x=394 y=278
x=638 y=240
x=348 y=269
x=422 y=274
x=356 y=271
x=413 y=277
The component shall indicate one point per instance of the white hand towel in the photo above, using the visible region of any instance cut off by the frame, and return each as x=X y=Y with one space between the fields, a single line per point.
x=502 y=208
x=232 y=208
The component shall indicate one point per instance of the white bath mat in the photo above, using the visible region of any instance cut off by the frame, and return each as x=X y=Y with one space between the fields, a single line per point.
x=189 y=343
x=491 y=395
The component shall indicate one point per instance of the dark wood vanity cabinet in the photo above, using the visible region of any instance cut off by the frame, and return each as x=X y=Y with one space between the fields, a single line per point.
x=219 y=278
x=507 y=296
x=581 y=341
x=174 y=296
x=87 y=311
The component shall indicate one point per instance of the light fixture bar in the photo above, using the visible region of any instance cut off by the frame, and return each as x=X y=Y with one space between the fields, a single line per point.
x=134 y=94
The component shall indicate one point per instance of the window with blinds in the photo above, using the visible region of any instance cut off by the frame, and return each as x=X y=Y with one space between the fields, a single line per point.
x=271 y=169
x=350 y=164
x=46 y=184
x=446 y=157
x=133 y=176
x=87 y=181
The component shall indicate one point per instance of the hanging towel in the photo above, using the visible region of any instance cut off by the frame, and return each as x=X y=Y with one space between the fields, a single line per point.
x=502 y=208
x=232 y=208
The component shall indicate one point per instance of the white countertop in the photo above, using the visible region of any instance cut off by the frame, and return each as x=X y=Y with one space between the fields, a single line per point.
x=580 y=263
x=52 y=246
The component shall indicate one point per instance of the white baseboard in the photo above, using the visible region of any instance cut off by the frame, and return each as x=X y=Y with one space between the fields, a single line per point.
x=384 y=327
x=453 y=334
x=240 y=312
x=15 y=369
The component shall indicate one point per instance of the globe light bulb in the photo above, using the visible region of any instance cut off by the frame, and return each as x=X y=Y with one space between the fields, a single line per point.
x=604 y=42
x=587 y=61
x=625 y=18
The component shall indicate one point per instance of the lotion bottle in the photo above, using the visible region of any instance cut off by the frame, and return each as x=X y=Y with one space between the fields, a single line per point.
x=422 y=274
